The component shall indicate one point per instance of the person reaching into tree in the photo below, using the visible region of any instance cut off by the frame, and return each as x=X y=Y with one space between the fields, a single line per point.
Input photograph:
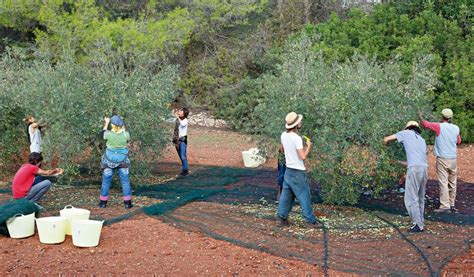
x=295 y=183
x=115 y=158
x=35 y=131
x=417 y=172
x=29 y=181
x=447 y=137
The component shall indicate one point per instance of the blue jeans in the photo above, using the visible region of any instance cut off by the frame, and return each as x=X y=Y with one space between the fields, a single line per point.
x=124 y=176
x=281 y=173
x=182 y=155
x=296 y=185
x=40 y=186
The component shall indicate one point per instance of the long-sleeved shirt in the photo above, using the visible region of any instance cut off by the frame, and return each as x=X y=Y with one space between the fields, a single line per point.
x=447 y=136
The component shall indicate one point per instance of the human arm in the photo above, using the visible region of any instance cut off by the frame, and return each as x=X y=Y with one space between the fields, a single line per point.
x=388 y=139
x=459 y=139
x=106 y=123
x=32 y=127
x=433 y=126
x=49 y=172
x=304 y=152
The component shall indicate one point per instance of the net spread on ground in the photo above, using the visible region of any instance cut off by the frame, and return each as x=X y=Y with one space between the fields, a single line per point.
x=238 y=206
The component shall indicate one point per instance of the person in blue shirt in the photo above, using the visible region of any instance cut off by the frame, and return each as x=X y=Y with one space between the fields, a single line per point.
x=417 y=172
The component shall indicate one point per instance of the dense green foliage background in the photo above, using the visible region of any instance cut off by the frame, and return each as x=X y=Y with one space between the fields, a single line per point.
x=72 y=99
x=240 y=59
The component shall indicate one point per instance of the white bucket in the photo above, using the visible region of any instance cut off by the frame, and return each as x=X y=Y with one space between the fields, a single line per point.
x=51 y=229
x=21 y=226
x=86 y=233
x=72 y=213
x=252 y=158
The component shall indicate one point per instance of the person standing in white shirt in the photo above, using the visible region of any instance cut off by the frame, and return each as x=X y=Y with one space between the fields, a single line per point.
x=34 y=134
x=295 y=182
x=181 y=142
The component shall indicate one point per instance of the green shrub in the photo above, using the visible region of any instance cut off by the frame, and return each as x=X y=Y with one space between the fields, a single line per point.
x=13 y=138
x=73 y=99
x=348 y=108
x=404 y=31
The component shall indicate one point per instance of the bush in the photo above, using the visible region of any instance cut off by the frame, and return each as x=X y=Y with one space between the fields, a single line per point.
x=13 y=138
x=348 y=108
x=73 y=100
x=405 y=31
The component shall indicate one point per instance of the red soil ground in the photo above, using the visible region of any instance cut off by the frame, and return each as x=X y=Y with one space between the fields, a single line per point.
x=145 y=245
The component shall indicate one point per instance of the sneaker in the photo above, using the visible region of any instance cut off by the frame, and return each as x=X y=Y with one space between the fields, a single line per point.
x=184 y=173
x=454 y=210
x=401 y=190
x=415 y=229
x=103 y=204
x=315 y=225
x=441 y=210
x=127 y=204
x=283 y=222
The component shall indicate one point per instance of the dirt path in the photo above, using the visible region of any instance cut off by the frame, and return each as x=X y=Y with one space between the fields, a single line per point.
x=145 y=245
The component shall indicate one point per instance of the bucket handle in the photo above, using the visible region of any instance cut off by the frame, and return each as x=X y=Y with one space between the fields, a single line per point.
x=11 y=219
x=69 y=207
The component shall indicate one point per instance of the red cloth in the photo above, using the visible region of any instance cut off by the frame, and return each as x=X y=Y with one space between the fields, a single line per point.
x=23 y=180
x=434 y=126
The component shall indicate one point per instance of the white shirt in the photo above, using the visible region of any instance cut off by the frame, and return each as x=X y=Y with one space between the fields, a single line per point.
x=292 y=142
x=183 y=127
x=35 y=138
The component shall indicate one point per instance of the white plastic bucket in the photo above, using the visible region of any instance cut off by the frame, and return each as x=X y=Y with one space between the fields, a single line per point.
x=21 y=226
x=51 y=229
x=86 y=233
x=252 y=158
x=72 y=213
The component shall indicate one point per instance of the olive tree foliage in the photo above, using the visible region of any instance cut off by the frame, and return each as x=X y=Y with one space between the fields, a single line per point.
x=72 y=99
x=348 y=108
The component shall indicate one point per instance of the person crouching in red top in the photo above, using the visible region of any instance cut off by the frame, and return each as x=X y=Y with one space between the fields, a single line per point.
x=29 y=182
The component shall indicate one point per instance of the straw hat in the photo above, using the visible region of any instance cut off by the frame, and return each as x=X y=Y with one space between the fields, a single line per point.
x=447 y=113
x=412 y=123
x=292 y=120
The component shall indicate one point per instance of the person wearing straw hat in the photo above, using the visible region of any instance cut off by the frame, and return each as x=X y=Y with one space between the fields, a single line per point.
x=295 y=182
x=115 y=157
x=447 y=137
x=417 y=172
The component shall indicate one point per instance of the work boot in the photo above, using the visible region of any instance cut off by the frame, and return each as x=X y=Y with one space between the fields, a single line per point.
x=103 y=204
x=127 y=204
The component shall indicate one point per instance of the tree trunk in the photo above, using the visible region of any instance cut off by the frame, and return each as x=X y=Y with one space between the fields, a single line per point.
x=307 y=11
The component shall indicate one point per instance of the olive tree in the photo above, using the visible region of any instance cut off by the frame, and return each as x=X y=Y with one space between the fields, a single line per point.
x=72 y=99
x=348 y=108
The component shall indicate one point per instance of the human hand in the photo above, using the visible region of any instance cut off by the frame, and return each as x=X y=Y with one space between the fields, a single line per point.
x=107 y=120
x=420 y=115
x=57 y=171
